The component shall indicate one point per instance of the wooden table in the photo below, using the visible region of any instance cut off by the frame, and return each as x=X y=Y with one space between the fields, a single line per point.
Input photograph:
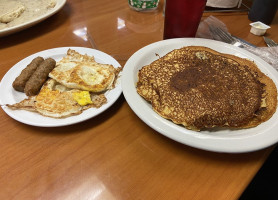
x=114 y=155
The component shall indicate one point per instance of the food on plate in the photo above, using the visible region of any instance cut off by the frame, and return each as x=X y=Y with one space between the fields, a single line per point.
x=39 y=77
x=16 y=12
x=82 y=72
x=200 y=88
x=20 y=81
x=59 y=99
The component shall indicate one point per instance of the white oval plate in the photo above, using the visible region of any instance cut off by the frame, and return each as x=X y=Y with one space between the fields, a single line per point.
x=236 y=141
x=59 y=5
x=10 y=96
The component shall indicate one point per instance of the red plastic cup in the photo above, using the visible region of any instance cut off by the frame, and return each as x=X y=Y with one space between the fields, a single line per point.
x=182 y=18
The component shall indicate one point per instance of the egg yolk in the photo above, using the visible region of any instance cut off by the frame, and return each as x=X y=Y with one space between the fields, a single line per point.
x=82 y=98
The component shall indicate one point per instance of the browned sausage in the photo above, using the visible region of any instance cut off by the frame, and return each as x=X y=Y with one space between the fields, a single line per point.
x=39 y=77
x=20 y=81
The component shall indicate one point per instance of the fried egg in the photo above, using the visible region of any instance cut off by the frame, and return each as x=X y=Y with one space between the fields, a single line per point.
x=57 y=101
x=83 y=72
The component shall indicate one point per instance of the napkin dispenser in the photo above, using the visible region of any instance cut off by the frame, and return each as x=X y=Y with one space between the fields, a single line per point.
x=223 y=3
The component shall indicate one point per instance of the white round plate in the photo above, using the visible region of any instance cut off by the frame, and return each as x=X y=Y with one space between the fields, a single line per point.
x=10 y=96
x=233 y=141
x=59 y=5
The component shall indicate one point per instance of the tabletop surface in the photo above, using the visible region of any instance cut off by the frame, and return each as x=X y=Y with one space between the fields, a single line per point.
x=114 y=155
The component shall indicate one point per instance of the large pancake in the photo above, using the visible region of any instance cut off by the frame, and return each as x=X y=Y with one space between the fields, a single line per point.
x=201 y=88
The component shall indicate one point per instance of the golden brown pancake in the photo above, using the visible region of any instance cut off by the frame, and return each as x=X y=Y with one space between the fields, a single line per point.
x=201 y=88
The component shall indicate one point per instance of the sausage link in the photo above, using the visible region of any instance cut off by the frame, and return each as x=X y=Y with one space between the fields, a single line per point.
x=39 y=77
x=20 y=81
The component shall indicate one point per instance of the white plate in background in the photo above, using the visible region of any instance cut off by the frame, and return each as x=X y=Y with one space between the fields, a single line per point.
x=59 y=5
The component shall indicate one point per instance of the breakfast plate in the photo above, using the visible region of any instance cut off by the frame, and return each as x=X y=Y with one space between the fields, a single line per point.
x=59 y=5
x=218 y=140
x=11 y=96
